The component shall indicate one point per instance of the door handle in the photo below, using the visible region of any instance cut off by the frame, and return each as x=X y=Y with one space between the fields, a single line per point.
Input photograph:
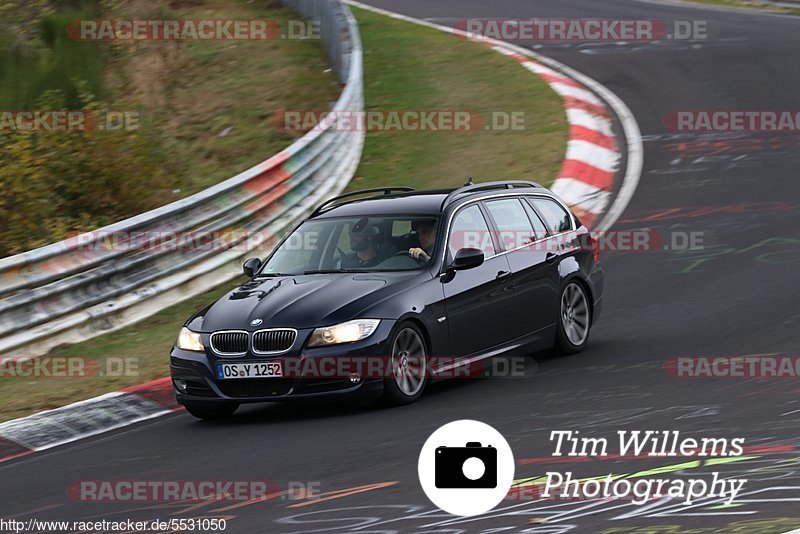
x=551 y=257
x=502 y=275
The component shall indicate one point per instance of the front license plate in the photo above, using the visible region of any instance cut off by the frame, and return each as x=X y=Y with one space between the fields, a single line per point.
x=249 y=370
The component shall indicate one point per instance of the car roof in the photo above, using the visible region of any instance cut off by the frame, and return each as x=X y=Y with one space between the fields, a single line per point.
x=416 y=203
x=424 y=202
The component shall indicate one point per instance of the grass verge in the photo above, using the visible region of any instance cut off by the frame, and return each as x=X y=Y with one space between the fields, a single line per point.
x=214 y=100
x=438 y=71
x=407 y=68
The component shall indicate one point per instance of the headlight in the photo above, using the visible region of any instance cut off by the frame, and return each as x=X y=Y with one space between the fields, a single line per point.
x=344 y=332
x=188 y=340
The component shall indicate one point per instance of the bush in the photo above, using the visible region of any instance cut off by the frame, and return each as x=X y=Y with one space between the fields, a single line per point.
x=59 y=183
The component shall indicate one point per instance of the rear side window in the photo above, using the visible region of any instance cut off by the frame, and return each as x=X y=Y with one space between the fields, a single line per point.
x=555 y=217
x=513 y=225
x=539 y=229
x=469 y=230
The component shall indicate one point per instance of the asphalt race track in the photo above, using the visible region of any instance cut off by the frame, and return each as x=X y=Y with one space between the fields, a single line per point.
x=738 y=296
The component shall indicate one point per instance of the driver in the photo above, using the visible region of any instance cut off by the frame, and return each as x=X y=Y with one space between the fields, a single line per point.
x=364 y=244
x=426 y=234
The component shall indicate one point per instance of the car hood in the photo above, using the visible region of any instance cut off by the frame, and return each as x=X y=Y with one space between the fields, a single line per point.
x=303 y=301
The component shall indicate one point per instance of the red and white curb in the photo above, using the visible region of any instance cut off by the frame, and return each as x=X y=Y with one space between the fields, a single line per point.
x=90 y=417
x=586 y=179
x=590 y=180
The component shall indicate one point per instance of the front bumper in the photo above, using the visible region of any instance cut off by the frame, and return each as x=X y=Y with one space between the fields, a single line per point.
x=196 y=372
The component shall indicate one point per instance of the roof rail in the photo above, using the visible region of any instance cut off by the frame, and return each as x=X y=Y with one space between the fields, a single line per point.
x=486 y=186
x=384 y=190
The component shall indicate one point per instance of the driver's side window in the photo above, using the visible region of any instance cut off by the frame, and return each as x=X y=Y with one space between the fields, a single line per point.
x=469 y=230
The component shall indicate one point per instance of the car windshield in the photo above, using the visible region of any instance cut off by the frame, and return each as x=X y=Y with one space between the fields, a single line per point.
x=356 y=244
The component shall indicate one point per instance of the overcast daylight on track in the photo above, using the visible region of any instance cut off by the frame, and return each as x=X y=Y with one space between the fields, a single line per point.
x=697 y=338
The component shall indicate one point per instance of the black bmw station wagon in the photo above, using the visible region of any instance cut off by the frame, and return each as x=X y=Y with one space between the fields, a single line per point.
x=359 y=298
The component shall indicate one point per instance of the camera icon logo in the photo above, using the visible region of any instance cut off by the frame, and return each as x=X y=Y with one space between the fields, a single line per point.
x=472 y=466
x=466 y=467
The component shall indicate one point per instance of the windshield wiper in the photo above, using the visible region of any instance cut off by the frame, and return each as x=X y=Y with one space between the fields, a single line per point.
x=333 y=271
x=270 y=275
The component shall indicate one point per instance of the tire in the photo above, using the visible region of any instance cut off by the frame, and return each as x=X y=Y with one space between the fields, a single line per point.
x=574 y=319
x=409 y=363
x=211 y=410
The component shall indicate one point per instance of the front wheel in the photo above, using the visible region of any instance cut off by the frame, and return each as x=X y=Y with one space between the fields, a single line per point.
x=211 y=410
x=409 y=365
x=574 y=319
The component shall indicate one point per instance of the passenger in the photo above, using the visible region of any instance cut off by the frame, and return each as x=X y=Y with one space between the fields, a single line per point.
x=426 y=235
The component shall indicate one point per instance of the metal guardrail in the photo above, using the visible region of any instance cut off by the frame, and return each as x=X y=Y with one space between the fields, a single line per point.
x=336 y=35
x=75 y=289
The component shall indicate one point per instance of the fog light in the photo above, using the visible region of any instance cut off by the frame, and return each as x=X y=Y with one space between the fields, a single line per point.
x=180 y=385
x=355 y=378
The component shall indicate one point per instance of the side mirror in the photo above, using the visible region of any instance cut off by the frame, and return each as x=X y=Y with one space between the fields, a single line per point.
x=251 y=267
x=466 y=258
